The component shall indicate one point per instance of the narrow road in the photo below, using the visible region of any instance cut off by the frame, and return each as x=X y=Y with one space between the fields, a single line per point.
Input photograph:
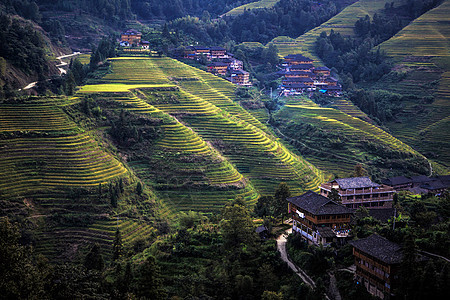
x=59 y=66
x=281 y=246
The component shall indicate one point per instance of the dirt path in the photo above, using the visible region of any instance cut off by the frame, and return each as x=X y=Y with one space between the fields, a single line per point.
x=281 y=246
x=59 y=66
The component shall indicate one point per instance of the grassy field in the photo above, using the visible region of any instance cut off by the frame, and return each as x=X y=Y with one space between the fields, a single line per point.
x=343 y=22
x=422 y=52
x=254 y=5
x=205 y=109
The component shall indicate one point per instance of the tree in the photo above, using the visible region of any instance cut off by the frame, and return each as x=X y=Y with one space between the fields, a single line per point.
x=409 y=279
x=280 y=204
x=139 y=188
x=334 y=195
x=360 y=171
x=237 y=226
x=22 y=276
x=117 y=245
x=94 y=259
x=269 y=295
x=149 y=281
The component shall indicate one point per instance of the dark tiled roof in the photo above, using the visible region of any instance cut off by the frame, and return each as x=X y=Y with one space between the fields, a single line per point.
x=298 y=57
x=333 y=88
x=215 y=48
x=132 y=31
x=318 y=205
x=261 y=228
x=301 y=79
x=434 y=185
x=382 y=214
x=326 y=232
x=298 y=73
x=296 y=85
x=302 y=67
x=397 y=180
x=218 y=64
x=322 y=69
x=444 y=179
x=240 y=72
x=420 y=179
x=201 y=48
x=379 y=247
x=356 y=182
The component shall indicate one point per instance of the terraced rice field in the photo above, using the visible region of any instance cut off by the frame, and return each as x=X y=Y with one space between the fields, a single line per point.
x=353 y=130
x=44 y=149
x=205 y=103
x=102 y=232
x=346 y=106
x=343 y=23
x=254 y=5
x=423 y=49
x=44 y=156
x=184 y=170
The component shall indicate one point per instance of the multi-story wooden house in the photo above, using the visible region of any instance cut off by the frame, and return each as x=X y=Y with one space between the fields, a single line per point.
x=218 y=68
x=218 y=52
x=377 y=263
x=297 y=59
x=240 y=77
x=360 y=191
x=298 y=80
x=322 y=71
x=319 y=219
x=298 y=74
x=131 y=37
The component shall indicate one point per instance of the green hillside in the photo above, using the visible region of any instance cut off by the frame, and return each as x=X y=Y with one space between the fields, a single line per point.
x=202 y=106
x=343 y=22
x=254 y=5
x=335 y=141
x=55 y=173
x=422 y=53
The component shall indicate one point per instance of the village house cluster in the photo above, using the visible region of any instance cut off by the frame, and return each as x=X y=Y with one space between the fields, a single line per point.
x=320 y=220
x=300 y=76
x=221 y=63
x=133 y=38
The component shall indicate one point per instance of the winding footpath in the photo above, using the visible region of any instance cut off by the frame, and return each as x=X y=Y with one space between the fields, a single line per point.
x=59 y=66
x=281 y=246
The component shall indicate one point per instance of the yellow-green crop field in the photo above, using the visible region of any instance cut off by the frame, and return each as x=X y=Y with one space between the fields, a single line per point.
x=239 y=155
x=422 y=49
x=352 y=131
x=343 y=23
x=254 y=5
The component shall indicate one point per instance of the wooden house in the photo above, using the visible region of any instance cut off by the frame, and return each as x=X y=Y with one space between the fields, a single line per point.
x=377 y=263
x=399 y=182
x=131 y=36
x=322 y=71
x=318 y=219
x=360 y=191
x=218 y=52
x=218 y=68
x=298 y=74
x=240 y=77
x=299 y=80
x=297 y=59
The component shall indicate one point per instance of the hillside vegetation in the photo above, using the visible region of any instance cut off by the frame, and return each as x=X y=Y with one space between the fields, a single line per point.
x=201 y=109
x=336 y=141
x=254 y=5
x=344 y=23
x=422 y=53
x=56 y=173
